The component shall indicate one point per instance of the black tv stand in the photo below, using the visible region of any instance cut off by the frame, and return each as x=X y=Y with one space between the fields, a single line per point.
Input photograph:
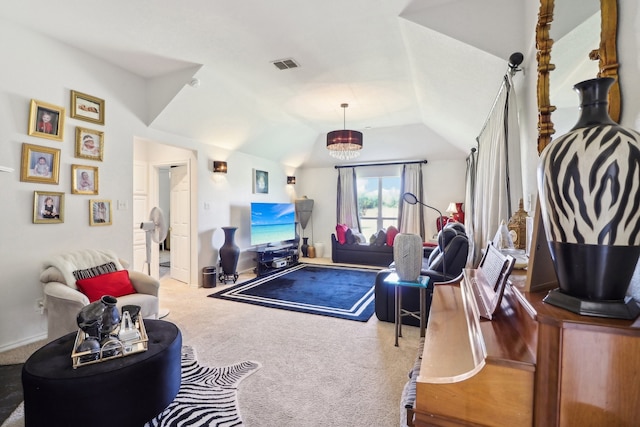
x=270 y=259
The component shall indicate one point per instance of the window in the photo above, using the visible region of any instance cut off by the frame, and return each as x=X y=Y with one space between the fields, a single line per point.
x=378 y=199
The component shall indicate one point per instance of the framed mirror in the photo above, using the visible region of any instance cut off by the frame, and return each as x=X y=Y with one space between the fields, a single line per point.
x=565 y=30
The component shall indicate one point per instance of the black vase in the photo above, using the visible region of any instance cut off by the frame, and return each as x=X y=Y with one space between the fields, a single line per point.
x=229 y=254
x=99 y=318
x=111 y=315
x=590 y=204
x=304 y=248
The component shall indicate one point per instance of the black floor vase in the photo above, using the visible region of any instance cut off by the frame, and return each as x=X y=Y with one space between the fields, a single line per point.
x=229 y=254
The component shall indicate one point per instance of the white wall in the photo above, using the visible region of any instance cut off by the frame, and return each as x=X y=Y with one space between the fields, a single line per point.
x=36 y=68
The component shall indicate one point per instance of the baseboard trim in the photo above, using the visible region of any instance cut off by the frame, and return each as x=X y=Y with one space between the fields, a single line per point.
x=20 y=343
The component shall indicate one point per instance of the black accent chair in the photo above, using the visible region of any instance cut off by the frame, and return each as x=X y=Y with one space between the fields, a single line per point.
x=451 y=252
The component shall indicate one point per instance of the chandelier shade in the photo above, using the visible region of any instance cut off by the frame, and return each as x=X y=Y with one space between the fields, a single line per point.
x=344 y=144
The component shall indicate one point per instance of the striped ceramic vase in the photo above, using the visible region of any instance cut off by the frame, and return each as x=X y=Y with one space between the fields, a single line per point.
x=589 y=187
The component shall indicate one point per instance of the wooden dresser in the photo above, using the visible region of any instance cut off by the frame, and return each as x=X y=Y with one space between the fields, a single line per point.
x=534 y=364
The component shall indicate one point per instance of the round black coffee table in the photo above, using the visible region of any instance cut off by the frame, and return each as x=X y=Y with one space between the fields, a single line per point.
x=126 y=391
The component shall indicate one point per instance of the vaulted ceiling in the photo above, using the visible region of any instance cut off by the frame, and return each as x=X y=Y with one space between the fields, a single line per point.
x=419 y=75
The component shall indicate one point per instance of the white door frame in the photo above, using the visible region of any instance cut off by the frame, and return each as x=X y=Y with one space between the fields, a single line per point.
x=154 y=197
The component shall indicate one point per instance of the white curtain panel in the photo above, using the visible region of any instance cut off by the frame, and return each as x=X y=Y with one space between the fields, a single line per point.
x=498 y=182
x=347 y=203
x=411 y=218
x=469 y=202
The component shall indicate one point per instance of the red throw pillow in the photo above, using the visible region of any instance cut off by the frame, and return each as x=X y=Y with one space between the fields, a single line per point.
x=391 y=234
x=116 y=284
x=341 y=233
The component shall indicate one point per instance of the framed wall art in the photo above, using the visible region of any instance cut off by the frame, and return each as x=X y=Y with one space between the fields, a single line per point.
x=40 y=164
x=100 y=212
x=46 y=120
x=260 y=181
x=89 y=143
x=48 y=207
x=84 y=179
x=87 y=107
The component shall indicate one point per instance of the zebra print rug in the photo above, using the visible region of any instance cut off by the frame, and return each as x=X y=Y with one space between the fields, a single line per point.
x=207 y=395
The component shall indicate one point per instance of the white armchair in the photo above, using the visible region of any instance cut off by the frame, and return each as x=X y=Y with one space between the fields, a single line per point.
x=63 y=300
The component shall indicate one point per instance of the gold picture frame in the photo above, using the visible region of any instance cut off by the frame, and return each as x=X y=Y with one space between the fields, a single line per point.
x=84 y=179
x=87 y=107
x=40 y=164
x=46 y=120
x=89 y=143
x=48 y=207
x=100 y=212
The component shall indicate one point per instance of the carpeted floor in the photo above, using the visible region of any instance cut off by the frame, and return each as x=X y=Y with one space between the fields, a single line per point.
x=10 y=389
x=345 y=293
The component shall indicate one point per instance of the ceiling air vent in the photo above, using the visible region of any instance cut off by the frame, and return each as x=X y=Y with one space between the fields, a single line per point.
x=285 y=64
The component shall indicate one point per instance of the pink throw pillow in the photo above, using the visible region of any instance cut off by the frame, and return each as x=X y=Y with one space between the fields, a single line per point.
x=341 y=233
x=391 y=234
x=116 y=284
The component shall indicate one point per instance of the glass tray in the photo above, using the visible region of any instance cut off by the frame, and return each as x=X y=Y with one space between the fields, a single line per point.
x=114 y=345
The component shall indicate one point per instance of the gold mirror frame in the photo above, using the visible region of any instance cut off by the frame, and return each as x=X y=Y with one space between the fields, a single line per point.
x=606 y=55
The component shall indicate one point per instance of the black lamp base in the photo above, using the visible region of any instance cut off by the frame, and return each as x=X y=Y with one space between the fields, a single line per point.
x=623 y=309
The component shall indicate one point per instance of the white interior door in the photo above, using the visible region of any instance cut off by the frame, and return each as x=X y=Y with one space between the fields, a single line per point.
x=179 y=200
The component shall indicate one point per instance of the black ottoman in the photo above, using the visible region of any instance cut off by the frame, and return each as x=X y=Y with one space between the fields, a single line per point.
x=127 y=391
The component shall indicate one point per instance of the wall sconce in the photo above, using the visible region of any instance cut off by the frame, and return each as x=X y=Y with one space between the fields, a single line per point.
x=219 y=166
x=291 y=180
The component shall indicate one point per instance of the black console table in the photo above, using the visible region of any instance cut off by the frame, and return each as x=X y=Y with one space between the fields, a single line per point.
x=272 y=258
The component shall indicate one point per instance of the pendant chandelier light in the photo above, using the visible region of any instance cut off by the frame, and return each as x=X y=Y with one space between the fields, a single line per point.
x=344 y=144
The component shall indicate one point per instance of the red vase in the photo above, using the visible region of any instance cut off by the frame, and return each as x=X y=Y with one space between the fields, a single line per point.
x=459 y=214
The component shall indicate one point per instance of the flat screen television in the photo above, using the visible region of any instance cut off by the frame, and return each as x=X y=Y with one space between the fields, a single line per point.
x=272 y=223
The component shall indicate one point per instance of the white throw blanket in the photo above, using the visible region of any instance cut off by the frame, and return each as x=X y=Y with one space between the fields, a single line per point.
x=69 y=262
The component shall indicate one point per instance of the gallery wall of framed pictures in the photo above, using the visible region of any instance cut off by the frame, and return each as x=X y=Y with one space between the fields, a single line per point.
x=41 y=164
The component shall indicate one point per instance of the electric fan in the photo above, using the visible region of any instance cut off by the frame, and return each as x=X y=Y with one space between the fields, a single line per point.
x=155 y=229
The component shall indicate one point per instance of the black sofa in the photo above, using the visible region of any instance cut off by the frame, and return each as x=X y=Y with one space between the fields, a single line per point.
x=361 y=253
x=455 y=242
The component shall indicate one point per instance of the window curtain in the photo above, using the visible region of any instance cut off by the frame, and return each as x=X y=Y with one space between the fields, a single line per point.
x=411 y=219
x=347 y=203
x=469 y=202
x=498 y=181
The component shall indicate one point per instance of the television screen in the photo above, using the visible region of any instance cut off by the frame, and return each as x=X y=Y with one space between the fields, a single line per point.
x=272 y=223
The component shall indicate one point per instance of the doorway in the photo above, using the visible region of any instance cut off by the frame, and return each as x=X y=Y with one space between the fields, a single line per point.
x=152 y=163
x=174 y=198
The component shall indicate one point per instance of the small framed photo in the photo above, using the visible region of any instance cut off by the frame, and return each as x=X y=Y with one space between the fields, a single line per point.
x=89 y=143
x=87 y=107
x=40 y=164
x=46 y=120
x=260 y=181
x=100 y=212
x=48 y=207
x=84 y=179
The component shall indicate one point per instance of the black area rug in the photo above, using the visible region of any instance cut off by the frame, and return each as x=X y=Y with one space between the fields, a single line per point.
x=10 y=389
x=346 y=293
